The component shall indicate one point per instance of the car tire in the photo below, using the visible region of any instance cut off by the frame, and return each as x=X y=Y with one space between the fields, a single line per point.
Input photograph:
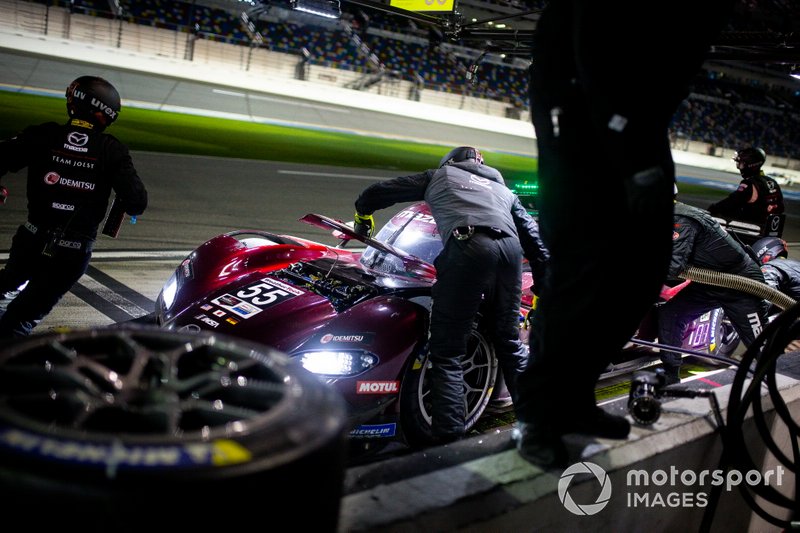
x=127 y=428
x=728 y=338
x=480 y=374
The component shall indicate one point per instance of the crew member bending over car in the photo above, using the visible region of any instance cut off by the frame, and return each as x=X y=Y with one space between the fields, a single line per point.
x=698 y=240
x=757 y=196
x=72 y=170
x=780 y=272
x=482 y=224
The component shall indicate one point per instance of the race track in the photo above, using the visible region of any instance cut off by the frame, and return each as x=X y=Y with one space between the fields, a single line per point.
x=195 y=198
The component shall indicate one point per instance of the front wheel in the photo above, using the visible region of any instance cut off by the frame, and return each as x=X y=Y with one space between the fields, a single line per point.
x=480 y=372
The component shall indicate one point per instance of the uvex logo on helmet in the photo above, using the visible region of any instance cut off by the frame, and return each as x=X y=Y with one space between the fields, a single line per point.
x=93 y=100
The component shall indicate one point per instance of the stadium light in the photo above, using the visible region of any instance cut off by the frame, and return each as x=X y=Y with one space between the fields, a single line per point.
x=323 y=8
x=795 y=72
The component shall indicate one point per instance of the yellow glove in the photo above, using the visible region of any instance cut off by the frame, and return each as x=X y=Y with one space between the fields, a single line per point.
x=364 y=224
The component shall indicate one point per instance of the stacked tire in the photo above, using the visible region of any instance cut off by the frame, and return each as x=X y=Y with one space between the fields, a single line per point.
x=126 y=428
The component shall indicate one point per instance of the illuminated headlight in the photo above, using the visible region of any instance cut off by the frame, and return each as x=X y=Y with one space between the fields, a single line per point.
x=169 y=291
x=331 y=363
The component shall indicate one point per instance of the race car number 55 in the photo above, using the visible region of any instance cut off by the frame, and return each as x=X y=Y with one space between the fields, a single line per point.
x=268 y=292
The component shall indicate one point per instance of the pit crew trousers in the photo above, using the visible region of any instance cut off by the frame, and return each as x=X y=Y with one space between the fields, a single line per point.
x=48 y=277
x=482 y=273
x=606 y=179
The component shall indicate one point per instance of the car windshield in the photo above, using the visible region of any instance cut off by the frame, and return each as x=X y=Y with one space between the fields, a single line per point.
x=413 y=231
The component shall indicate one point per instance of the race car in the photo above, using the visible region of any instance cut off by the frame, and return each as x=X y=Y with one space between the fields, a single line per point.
x=357 y=318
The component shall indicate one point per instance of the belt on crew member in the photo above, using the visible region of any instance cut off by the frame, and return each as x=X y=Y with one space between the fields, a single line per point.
x=73 y=244
x=462 y=233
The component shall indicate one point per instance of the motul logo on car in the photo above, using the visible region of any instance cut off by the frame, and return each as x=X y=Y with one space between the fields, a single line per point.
x=377 y=387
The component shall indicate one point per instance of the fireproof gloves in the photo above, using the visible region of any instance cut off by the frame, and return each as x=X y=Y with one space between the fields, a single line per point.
x=364 y=224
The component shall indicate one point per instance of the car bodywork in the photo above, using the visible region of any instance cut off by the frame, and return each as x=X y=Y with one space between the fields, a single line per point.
x=357 y=318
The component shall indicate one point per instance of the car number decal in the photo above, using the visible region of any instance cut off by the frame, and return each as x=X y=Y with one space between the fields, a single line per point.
x=254 y=298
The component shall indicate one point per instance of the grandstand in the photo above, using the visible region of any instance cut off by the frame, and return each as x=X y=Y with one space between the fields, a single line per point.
x=375 y=51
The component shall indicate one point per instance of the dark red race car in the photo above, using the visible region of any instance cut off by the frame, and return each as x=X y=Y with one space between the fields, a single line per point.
x=356 y=318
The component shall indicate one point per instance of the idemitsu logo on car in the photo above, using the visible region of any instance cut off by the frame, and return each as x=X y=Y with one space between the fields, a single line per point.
x=330 y=337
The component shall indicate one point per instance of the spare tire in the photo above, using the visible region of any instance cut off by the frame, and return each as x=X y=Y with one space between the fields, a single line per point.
x=134 y=427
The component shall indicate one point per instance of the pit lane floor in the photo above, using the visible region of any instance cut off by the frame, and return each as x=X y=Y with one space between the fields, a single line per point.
x=434 y=483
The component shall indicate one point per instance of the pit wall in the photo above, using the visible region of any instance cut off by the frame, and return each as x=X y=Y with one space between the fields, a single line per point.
x=502 y=492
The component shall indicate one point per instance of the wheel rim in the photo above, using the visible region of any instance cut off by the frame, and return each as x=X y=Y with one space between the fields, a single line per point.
x=478 y=379
x=145 y=383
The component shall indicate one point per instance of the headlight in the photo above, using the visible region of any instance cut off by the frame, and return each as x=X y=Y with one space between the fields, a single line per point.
x=168 y=292
x=338 y=363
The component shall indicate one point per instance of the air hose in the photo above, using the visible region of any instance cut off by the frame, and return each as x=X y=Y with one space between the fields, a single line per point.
x=740 y=283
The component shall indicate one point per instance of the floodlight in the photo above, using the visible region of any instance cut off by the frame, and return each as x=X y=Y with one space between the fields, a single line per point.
x=323 y=8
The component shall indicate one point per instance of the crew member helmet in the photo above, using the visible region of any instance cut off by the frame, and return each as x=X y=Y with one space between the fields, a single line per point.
x=94 y=100
x=750 y=158
x=769 y=248
x=462 y=153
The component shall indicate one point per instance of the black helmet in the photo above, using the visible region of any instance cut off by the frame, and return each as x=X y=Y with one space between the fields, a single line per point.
x=462 y=153
x=750 y=158
x=94 y=100
x=769 y=248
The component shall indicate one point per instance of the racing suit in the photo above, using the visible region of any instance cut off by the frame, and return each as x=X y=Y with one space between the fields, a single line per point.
x=486 y=231
x=739 y=205
x=72 y=170
x=698 y=240
x=783 y=274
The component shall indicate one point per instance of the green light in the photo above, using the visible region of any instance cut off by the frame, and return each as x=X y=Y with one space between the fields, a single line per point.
x=527 y=193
